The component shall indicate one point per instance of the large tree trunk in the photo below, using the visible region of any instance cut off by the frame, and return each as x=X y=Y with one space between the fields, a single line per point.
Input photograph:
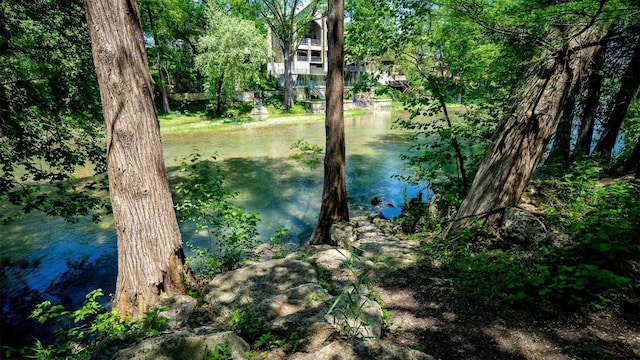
x=287 y=96
x=633 y=162
x=590 y=106
x=558 y=159
x=628 y=88
x=150 y=256
x=520 y=143
x=334 y=207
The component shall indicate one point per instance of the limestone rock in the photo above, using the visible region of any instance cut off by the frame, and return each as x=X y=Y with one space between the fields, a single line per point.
x=357 y=317
x=180 y=308
x=299 y=298
x=343 y=235
x=251 y=284
x=184 y=346
x=360 y=350
x=521 y=226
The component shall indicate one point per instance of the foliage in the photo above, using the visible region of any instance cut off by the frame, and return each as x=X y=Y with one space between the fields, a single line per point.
x=592 y=268
x=79 y=332
x=293 y=344
x=221 y=351
x=307 y=154
x=231 y=53
x=278 y=241
x=174 y=26
x=349 y=304
x=430 y=156
x=50 y=116
x=203 y=200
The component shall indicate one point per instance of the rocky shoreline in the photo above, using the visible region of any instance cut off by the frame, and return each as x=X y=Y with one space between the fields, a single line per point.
x=318 y=298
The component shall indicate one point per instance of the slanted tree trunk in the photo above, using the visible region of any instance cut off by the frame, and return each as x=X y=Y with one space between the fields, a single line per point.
x=628 y=88
x=334 y=207
x=558 y=159
x=590 y=106
x=521 y=141
x=150 y=256
x=633 y=162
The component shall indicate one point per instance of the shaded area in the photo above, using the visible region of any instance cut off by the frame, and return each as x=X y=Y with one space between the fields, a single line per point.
x=428 y=313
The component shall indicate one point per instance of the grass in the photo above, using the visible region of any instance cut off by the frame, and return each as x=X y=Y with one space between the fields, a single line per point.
x=200 y=120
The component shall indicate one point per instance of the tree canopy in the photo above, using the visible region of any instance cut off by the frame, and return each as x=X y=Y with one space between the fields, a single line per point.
x=50 y=120
x=231 y=54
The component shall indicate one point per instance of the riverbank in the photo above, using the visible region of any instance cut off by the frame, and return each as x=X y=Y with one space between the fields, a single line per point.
x=183 y=121
x=381 y=298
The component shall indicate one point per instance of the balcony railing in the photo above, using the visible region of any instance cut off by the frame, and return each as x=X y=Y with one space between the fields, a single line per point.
x=303 y=58
x=308 y=42
x=316 y=60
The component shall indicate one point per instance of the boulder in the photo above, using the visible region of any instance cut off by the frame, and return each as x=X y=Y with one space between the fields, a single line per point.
x=186 y=346
x=179 y=309
x=370 y=349
x=355 y=316
x=251 y=284
x=521 y=227
x=437 y=206
x=343 y=235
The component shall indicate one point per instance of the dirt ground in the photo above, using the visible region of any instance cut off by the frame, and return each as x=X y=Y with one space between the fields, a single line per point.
x=425 y=313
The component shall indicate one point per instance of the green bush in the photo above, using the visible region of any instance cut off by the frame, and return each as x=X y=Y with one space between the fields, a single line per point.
x=592 y=269
x=231 y=230
x=79 y=332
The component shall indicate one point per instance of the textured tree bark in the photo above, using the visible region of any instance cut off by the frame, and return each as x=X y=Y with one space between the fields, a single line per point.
x=628 y=89
x=558 y=159
x=517 y=148
x=590 y=106
x=334 y=207
x=287 y=97
x=633 y=162
x=150 y=256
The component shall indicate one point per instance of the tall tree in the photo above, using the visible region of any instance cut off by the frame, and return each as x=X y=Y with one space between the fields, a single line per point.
x=288 y=21
x=334 y=208
x=231 y=53
x=150 y=255
x=590 y=106
x=521 y=141
x=628 y=88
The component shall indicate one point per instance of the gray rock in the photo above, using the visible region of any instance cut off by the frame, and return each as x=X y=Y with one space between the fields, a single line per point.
x=338 y=265
x=343 y=235
x=521 y=226
x=355 y=316
x=294 y=300
x=180 y=308
x=185 y=346
x=437 y=206
x=251 y=284
x=359 y=350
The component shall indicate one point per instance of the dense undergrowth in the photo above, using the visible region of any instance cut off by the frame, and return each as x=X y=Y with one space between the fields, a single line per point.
x=588 y=261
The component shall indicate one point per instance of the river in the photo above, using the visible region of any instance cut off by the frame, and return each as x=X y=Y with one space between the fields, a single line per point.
x=45 y=258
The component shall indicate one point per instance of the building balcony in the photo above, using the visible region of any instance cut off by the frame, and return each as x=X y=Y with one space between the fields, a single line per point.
x=308 y=43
